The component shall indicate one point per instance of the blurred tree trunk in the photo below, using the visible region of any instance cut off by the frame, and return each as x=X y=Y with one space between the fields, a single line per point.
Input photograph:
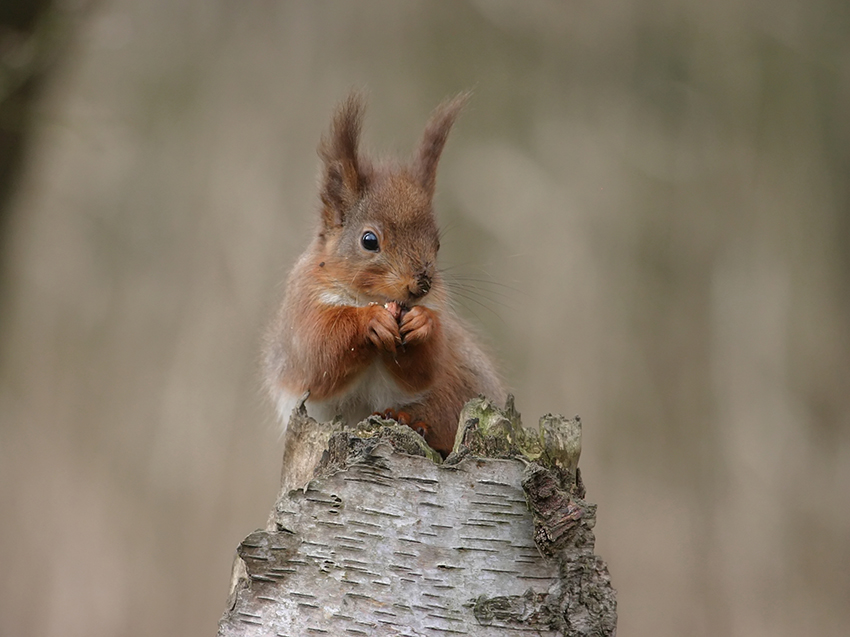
x=386 y=541
x=28 y=46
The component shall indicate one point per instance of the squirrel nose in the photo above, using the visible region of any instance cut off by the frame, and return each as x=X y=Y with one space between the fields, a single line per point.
x=421 y=286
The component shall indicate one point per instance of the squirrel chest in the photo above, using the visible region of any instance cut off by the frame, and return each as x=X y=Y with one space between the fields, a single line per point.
x=372 y=387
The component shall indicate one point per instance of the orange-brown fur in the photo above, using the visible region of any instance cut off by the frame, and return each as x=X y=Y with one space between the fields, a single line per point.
x=357 y=326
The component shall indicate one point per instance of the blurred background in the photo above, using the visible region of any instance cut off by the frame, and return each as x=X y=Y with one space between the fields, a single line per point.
x=650 y=200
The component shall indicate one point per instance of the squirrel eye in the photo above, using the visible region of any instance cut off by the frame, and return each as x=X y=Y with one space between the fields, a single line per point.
x=369 y=241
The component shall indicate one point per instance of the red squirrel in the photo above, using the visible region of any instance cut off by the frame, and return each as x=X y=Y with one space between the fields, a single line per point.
x=366 y=324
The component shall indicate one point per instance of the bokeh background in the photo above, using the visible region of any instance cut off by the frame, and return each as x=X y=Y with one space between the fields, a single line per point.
x=649 y=199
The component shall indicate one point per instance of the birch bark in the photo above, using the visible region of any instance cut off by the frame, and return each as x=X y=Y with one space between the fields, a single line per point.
x=386 y=540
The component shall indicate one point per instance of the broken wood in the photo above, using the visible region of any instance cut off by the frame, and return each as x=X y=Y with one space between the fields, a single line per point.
x=382 y=538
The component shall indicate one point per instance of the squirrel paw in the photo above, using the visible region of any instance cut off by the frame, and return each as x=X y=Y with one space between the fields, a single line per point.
x=419 y=427
x=401 y=417
x=416 y=325
x=404 y=418
x=382 y=329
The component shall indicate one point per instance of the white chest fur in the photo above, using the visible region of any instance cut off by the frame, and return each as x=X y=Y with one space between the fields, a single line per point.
x=375 y=389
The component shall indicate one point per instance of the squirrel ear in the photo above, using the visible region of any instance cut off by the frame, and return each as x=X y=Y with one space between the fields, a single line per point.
x=436 y=132
x=344 y=180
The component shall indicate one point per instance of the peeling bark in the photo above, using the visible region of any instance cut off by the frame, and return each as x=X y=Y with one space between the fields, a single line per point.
x=387 y=540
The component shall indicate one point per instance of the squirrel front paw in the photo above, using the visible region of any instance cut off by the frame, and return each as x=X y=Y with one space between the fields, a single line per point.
x=382 y=330
x=416 y=325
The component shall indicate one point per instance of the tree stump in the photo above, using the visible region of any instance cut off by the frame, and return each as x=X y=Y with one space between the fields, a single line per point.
x=382 y=538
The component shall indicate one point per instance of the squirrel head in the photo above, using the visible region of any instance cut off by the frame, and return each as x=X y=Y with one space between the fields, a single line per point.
x=379 y=239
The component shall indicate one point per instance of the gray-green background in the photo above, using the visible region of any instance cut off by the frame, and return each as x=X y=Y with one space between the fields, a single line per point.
x=651 y=200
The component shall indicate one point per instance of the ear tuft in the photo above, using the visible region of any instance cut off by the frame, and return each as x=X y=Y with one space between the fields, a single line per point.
x=344 y=179
x=436 y=133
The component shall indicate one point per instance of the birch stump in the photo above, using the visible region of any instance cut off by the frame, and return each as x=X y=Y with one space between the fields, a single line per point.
x=373 y=535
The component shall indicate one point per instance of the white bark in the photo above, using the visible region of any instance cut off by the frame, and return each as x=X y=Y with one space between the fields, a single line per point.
x=383 y=542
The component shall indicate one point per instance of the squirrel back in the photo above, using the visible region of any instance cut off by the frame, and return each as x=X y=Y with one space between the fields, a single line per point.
x=366 y=324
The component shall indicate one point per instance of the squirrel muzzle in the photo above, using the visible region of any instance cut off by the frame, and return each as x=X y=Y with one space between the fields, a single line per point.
x=420 y=286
